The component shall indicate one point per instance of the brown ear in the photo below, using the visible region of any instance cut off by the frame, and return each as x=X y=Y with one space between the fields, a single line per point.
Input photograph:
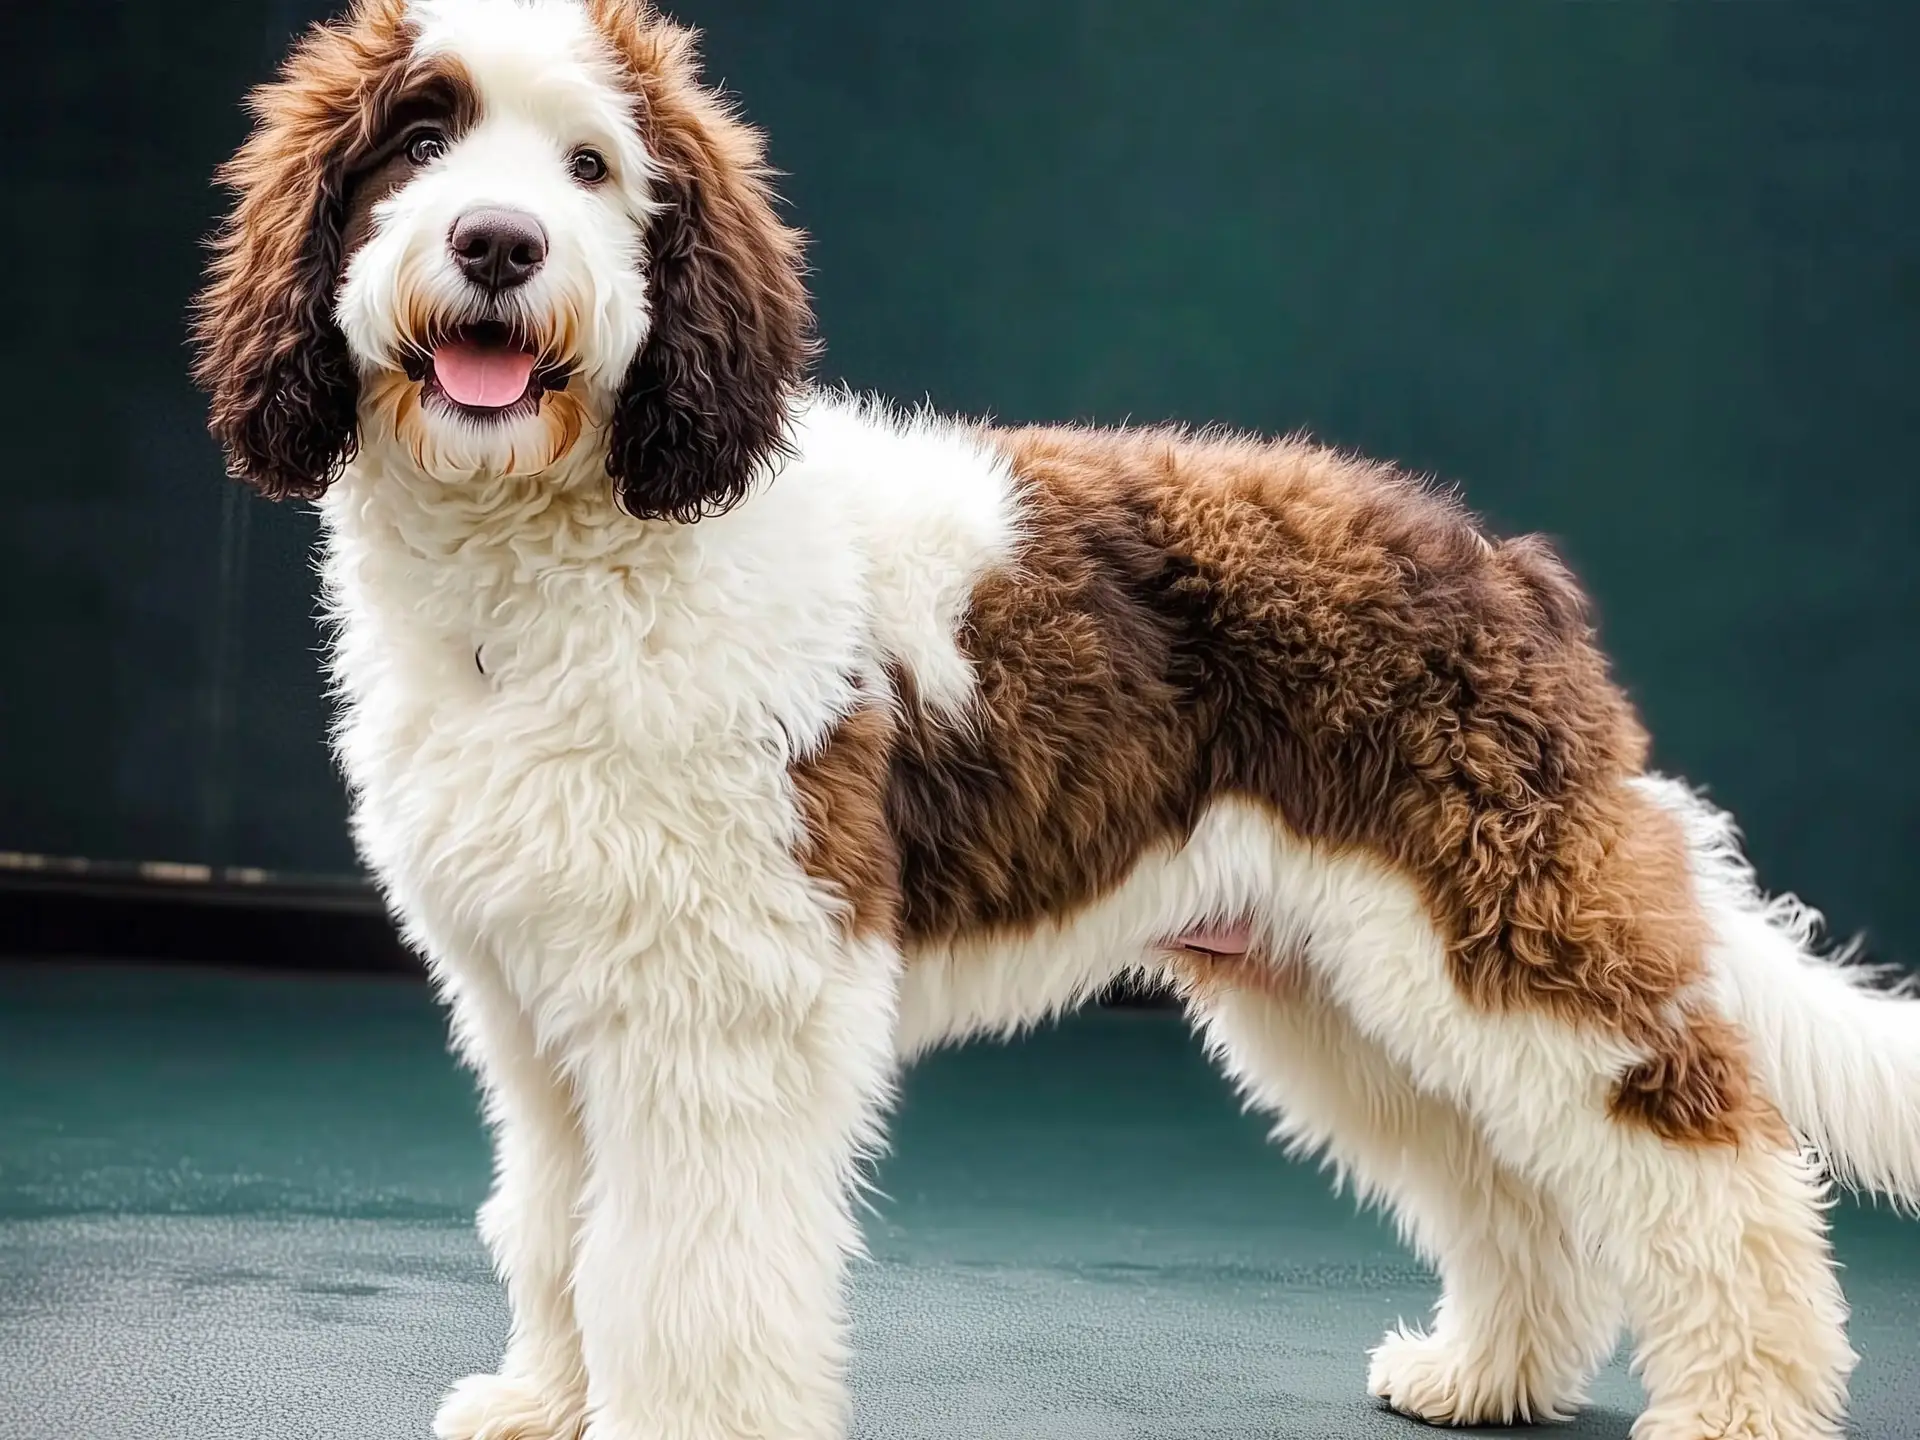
x=269 y=354
x=707 y=401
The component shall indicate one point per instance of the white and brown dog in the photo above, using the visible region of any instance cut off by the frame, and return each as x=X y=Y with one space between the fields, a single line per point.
x=724 y=743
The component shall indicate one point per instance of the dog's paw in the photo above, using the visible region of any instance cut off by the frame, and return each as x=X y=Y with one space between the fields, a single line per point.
x=505 y=1407
x=1742 y=1420
x=1445 y=1383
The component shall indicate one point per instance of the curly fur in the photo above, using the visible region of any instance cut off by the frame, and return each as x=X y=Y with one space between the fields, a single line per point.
x=285 y=394
x=708 y=401
x=929 y=730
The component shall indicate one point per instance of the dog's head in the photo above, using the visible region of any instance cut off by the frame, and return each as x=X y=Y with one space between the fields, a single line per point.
x=489 y=231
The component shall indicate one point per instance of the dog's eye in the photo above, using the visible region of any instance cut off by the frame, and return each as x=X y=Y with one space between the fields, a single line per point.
x=589 y=167
x=425 y=147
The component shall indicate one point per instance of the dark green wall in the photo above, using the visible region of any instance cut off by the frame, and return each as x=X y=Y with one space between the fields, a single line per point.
x=1643 y=276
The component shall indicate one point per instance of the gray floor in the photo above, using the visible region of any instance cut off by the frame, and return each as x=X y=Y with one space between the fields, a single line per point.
x=240 y=1207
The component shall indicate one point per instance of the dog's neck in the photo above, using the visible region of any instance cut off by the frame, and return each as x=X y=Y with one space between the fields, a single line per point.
x=563 y=514
x=467 y=558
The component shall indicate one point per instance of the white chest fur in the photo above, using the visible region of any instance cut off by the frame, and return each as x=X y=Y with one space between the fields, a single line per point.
x=620 y=766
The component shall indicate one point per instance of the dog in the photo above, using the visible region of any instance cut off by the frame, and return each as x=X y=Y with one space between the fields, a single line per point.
x=724 y=742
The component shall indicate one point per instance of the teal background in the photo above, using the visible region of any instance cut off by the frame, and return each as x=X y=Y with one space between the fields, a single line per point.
x=1639 y=275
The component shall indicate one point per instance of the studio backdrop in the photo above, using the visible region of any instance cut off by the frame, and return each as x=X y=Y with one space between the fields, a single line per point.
x=1645 y=277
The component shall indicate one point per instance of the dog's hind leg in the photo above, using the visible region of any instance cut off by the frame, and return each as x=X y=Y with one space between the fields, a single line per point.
x=1697 y=1199
x=1525 y=1315
x=540 y=1392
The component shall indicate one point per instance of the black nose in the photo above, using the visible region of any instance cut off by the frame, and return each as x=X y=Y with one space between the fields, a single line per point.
x=498 y=249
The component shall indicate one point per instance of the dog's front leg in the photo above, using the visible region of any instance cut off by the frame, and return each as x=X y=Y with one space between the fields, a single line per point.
x=539 y=1392
x=726 y=1118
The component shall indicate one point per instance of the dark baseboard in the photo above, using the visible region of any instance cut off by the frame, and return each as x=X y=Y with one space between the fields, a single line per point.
x=60 y=909
x=54 y=908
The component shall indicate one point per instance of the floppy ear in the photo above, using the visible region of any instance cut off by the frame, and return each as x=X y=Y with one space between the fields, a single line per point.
x=282 y=384
x=707 y=400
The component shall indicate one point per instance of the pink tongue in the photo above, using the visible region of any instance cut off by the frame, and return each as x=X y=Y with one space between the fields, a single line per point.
x=488 y=378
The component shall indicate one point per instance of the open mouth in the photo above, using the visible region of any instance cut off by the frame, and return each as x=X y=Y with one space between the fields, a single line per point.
x=488 y=371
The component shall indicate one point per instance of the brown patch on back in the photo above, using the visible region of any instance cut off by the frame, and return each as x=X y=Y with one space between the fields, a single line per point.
x=1198 y=618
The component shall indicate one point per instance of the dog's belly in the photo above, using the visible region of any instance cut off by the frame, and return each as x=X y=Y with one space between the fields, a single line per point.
x=1240 y=899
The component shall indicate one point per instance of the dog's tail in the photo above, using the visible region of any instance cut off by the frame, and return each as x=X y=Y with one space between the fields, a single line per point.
x=1836 y=1043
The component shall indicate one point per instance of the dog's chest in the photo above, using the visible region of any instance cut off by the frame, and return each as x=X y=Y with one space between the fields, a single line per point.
x=598 y=742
